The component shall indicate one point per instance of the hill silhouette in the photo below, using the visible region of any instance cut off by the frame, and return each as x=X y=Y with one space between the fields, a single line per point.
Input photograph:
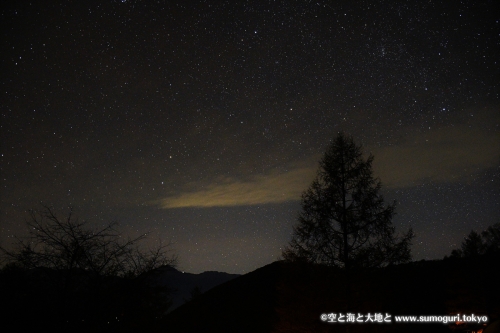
x=244 y=304
x=285 y=297
x=182 y=283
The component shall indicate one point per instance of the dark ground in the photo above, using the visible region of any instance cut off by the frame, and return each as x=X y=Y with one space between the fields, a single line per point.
x=279 y=297
x=283 y=297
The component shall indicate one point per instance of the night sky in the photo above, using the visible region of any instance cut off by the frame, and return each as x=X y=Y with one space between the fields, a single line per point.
x=201 y=123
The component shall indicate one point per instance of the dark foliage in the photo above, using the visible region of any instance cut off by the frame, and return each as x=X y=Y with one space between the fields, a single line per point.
x=475 y=244
x=344 y=221
x=491 y=238
x=67 y=276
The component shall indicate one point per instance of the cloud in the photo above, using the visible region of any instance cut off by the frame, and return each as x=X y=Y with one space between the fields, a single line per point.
x=443 y=155
x=274 y=187
x=446 y=154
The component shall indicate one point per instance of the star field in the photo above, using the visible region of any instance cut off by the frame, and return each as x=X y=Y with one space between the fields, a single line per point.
x=201 y=123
